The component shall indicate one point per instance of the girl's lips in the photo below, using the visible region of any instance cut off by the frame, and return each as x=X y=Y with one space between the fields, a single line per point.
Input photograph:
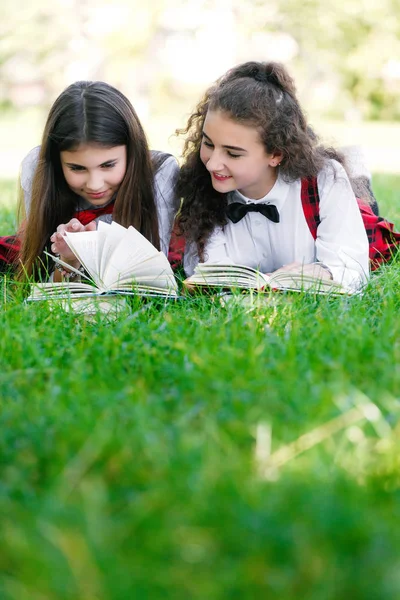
x=96 y=196
x=221 y=177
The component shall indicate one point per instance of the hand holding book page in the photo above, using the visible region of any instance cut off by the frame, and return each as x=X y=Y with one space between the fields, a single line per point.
x=117 y=260
x=228 y=276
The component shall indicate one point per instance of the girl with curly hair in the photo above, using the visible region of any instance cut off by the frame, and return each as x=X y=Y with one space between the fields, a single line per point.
x=259 y=189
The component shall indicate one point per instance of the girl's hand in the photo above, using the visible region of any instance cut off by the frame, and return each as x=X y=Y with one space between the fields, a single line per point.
x=60 y=247
x=312 y=270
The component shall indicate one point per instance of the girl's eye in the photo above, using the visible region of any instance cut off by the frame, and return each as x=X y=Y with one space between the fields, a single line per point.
x=76 y=168
x=208 y=144
x=108 y=165
x=234 y=155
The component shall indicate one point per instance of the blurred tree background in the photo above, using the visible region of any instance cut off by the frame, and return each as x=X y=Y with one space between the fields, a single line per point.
x=345 y=57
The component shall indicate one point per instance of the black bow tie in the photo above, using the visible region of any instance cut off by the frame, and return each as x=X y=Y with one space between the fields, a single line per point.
x=237 y=211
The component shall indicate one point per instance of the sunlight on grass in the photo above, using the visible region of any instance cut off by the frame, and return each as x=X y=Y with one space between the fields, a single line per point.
x=269 y=464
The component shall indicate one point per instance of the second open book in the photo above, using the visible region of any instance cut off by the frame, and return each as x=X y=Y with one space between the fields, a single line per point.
x=116 y=260
x=229 y=276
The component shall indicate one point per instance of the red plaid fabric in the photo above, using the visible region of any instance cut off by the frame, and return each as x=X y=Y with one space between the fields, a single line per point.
x=310 y=203
x=176 y=249
x=384 y=242
x=9 y=251
x=10 y=245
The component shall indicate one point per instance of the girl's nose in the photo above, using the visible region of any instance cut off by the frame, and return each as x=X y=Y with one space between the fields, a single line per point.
x=94 y=182
x=215 y=162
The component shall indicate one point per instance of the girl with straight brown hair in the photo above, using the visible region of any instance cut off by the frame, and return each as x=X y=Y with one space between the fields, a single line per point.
x=94 y=163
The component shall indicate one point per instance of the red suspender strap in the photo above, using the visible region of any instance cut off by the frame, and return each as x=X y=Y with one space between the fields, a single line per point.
x=310 y=203
x=384 y=242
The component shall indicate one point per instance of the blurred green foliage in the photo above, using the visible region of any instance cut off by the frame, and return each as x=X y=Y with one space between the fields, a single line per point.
x=344 y=55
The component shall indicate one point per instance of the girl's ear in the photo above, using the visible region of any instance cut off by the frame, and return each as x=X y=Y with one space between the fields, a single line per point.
x=275 y=159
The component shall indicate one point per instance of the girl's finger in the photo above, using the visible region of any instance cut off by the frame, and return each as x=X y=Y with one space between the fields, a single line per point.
x=91 y=226
x=74 y=225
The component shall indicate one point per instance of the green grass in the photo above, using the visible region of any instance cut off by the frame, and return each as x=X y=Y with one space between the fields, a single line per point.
x=387 y=191
x=128 y=448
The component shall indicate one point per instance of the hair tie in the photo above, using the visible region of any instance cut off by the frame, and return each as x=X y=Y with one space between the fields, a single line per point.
x=259 y=75
x=267 y=75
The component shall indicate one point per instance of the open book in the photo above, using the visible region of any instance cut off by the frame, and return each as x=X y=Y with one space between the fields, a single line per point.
x=231 y=276
x=116 y=260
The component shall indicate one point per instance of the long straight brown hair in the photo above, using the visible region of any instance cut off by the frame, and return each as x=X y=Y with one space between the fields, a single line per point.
x=88 y=113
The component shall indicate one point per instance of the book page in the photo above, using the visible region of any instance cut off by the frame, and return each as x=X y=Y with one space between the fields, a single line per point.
x=114 y=233
x=41 y=291
x=228 y=276
x=224 y=268
x=154 y=265
x=299 y=282
x=87 y=247
x=155 y=272
x=132 y=250
x=151 y=288
x=67 y=266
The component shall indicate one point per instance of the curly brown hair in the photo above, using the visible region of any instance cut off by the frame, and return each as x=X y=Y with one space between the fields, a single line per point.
x=258 y=94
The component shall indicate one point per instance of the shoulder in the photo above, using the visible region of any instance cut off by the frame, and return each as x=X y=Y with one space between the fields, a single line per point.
x=165 y=180
x=166 y=167
x=163 y=160
x=334 y=188
x=332 y=173
x=28 y=167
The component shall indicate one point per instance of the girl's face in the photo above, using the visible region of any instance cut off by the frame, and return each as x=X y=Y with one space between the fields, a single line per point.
x=94 y=172
x=236 y=158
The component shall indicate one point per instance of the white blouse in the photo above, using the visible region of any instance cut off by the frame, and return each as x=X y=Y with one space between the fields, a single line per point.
x=255 y=241
x=165 y=198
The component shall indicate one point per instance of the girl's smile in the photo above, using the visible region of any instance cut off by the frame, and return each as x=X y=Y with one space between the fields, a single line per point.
x=219 y=177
